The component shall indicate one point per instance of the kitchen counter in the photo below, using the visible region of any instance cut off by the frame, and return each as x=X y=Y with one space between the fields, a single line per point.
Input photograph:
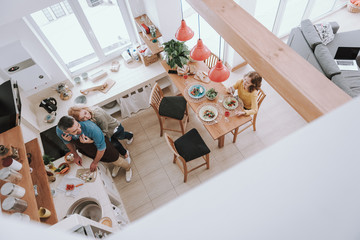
x=102 y=191
x=129 y=78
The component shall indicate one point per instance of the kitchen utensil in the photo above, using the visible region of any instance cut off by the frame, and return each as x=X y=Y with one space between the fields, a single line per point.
x=49 y=118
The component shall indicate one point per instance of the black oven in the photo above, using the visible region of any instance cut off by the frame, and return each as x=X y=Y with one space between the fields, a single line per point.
x=10 y=105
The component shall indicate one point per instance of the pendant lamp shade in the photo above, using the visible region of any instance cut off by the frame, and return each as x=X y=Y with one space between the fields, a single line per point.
x=200 y=52
x=219 y=73
x=184 y=33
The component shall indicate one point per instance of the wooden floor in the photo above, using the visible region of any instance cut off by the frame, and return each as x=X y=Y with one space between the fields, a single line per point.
x=156 y=180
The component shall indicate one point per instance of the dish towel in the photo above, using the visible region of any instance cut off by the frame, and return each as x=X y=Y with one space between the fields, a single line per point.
x=135 y=101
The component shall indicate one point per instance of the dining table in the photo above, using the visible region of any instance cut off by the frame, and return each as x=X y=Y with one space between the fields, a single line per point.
x=222 y=124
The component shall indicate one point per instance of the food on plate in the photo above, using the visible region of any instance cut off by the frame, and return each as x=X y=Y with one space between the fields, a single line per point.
x=231 y=103
x=208 y=114
x=211 y=94
x=195 y=91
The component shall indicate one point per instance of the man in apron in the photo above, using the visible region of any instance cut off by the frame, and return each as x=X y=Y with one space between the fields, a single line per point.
x=88 y=139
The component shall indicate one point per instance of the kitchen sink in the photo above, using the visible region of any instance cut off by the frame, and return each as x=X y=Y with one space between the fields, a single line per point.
x=86 y=207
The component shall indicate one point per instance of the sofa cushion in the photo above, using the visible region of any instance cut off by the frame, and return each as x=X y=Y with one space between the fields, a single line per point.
x=352 y=87
x=310 y=34
x=326 y=61
x=335 y=27
x=325 y=32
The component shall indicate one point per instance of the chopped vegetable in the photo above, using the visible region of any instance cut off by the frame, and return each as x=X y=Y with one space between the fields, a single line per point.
x=70 y=187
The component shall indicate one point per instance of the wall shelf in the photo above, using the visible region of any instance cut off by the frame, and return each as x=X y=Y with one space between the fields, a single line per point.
x=14 y=137
x=147 y=22
x=39 y=178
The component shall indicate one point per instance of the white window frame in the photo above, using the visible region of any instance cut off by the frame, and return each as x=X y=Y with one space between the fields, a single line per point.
x=79 y=14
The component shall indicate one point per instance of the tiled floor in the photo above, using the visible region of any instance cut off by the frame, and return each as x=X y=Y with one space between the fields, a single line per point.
x=156 y=180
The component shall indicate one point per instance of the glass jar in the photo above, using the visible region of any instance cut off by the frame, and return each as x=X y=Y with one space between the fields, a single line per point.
x=10 y=189
x=10 y=175
x=12 y=204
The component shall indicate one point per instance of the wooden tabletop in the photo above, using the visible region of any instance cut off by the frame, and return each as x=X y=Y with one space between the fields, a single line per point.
x=221 y=128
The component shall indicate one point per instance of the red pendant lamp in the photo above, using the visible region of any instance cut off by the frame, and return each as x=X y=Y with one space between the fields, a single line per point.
x=184 y=33
x=219 y=73
x=199 y=52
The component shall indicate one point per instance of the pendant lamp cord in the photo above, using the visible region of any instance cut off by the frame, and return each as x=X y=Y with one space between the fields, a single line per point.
x=199 y=24
x=182 y=16
x=220 y=48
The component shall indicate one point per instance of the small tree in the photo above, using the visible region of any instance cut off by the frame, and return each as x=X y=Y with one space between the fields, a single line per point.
x=177 y=53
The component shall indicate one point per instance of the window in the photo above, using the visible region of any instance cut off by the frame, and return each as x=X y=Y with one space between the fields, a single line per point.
x=280 y=16
x=82 y=33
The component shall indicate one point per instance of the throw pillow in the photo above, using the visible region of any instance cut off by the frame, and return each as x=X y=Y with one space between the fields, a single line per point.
x=325 y=32
x=326 y=61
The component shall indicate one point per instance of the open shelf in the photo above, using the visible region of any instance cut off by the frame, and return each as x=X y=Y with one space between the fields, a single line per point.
x=39 y=178
x=154 y=47
x=147 y=22
x=14 y=138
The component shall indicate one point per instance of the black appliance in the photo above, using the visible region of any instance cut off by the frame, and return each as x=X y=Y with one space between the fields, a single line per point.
x=10 y=105
x=49 y=104
x=52 y=144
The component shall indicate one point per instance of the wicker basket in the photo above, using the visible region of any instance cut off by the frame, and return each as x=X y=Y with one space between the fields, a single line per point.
x=353 y=8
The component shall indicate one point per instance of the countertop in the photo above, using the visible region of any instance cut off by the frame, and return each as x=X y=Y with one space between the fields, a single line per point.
x=94 y=190
x=130 y=77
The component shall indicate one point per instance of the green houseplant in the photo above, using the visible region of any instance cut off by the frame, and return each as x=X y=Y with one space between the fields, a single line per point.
x=177 y=53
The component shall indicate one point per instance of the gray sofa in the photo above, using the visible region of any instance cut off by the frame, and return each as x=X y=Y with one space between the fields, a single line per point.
x=307 y=43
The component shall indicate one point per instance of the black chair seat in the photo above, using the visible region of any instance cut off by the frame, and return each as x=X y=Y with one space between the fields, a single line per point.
x=173 y=107
x=191 y=145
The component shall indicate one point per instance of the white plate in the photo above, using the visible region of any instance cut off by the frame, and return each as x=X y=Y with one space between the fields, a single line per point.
x=227 y=100
x=203 y=110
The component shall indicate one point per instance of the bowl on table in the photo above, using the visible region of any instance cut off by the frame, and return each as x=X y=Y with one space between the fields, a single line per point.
x=211 y=94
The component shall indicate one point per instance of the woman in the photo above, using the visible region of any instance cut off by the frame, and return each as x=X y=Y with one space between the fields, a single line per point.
x=248 y=92
x=111 y=127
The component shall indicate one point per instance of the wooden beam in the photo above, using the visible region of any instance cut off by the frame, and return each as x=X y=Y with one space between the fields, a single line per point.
x=307 y=90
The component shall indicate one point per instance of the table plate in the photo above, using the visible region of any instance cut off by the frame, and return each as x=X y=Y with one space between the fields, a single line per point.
x=208 y=113
x=230 y=103
x=197 y=91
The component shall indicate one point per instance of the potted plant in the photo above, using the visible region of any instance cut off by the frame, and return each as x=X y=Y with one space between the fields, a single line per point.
x=177 y=53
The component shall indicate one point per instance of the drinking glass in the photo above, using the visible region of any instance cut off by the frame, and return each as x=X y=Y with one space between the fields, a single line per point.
x=227 y=114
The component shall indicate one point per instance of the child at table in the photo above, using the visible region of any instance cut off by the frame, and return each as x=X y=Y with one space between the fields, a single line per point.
x=248 y=91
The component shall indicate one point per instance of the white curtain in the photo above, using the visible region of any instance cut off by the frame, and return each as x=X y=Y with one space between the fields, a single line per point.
x=135 y=101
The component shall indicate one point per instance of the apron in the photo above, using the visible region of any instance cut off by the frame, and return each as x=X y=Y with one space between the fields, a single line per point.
x=89 y=149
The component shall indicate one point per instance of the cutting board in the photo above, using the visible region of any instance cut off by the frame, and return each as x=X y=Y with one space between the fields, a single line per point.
x=104 y=88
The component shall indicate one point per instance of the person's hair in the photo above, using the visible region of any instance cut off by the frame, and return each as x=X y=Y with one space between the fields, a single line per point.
x=255 y=80
x=65 y=123
x=75 y=112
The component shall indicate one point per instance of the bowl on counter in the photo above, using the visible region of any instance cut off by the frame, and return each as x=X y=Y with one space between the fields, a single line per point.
x=77 y=80
x=84 y=75
x=63 y=168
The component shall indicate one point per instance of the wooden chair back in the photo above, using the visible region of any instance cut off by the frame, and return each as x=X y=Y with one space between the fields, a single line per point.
x=211 y=61
x=155 y=97
x=260 y=98
x=171 y=144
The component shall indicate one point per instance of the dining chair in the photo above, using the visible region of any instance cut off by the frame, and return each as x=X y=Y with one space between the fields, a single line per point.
x=172 y=107
x=189 y=147
x=211 y=61
x=252 y=121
